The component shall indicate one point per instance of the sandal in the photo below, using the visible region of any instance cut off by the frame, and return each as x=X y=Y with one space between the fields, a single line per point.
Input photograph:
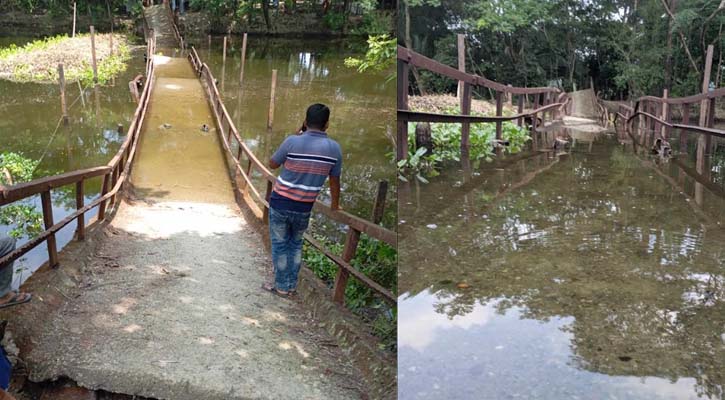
x=272 y=289
x=18 y=298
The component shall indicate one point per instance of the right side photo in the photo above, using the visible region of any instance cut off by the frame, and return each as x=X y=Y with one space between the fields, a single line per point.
x=561 y=199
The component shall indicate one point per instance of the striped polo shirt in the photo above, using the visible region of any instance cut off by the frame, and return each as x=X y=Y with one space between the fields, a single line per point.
x=308 y=159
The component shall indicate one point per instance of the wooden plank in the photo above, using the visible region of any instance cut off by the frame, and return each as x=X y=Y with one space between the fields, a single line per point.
x=386 y=295
x=685 y=121
x=48 y=223
x=348 y=253
x=80 y=199
x=61 y=81
x=499 y=112
x=379 y=204
x=270 y=116
x=520 y=121
x=401 y=151
x=461 y=60
x=424 y=62
x=23 y=190
x=414 y=116
x=465 y=101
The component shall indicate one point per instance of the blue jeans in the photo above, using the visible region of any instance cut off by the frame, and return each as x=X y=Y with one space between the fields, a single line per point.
x=286 y=230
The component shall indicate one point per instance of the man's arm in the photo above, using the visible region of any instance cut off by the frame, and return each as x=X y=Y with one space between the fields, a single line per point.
x=280 y=155
x=273 y=164
x=335 y=192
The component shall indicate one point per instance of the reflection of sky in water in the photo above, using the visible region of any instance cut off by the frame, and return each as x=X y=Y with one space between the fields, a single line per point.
x=591 y=279
x=307 y=69
x=487 y=355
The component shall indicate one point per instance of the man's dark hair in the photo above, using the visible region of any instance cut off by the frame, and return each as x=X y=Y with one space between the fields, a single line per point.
x=317 y=116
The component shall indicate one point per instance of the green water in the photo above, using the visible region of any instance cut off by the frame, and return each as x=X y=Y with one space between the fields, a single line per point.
x=310 y=71
x=595 y=274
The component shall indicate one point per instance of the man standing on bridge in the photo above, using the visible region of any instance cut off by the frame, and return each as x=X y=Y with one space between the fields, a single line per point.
x=308 y=158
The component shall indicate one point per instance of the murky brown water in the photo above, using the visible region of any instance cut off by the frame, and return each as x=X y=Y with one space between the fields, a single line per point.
x=173 y=162
x=591 y=275
x=178 y=159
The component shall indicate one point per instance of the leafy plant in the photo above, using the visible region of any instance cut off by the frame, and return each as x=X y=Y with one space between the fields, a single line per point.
x=334 y=20
x=380 y=56
x=25 y=219
x=376 y=260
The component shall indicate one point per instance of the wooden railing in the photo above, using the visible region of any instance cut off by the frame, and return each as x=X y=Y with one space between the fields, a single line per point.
x=545 y=99
x=654 y=119
x=245 y=164
x=114 y=174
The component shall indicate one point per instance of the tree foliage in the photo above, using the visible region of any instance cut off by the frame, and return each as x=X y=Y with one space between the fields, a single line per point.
x=627 y=47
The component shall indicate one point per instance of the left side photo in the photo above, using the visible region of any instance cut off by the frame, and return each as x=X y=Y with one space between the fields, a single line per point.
x=198 y=199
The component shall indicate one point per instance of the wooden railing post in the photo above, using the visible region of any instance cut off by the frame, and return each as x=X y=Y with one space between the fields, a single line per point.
x=499 y=112
x=685 y=121
x=465 y=102
x=104 y=190
x=664 y=132
x=80 y=200
x=265 y=212
x=520 y=121
x=48 y=222
x=352 y=239
x=244 y=59
x=401 y=150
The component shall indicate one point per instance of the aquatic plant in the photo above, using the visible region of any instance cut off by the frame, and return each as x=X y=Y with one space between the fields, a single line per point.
x=23 y=217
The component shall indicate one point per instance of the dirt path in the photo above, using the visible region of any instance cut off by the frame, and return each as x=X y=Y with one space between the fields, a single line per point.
x=175 y=311
x=159 y=20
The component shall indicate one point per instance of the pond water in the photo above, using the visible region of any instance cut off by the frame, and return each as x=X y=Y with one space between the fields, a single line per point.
x=595 y=274
x=310 y=70
x=29 y=124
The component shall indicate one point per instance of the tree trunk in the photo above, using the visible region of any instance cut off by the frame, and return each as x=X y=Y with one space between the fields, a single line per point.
x=668 y=56
x=423 y=137
x=409 y=44
x=265 y=12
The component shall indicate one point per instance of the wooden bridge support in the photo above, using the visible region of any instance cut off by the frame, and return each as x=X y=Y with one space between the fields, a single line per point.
x=270 y=116
x=61 y=81
x=244 y=59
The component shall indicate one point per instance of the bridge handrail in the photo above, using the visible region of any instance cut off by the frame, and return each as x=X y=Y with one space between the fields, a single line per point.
x=114 y=173
x=554 y=100
x=356 y=225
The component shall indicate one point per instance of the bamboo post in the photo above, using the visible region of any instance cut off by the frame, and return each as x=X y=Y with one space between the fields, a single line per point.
x=702 y=139
x=461 y=60
x=74 y=18
x=81 y=228
x=270 y=116
x=685 y=121
x=244 y=59
x=665 y=114
x=224 y=52
x=520 y=121
x=82 y=94
x=401 y=151
x=499 y=112
x=379 y=205
x=93 y=54
x=61 y=81
x=48 y=222
x=465 y=101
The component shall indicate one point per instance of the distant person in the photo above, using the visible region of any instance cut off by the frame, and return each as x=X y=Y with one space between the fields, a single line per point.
x=9 y=297
x=308 y=159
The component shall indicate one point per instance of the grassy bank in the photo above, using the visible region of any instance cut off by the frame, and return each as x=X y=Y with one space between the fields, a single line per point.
x=38 y=61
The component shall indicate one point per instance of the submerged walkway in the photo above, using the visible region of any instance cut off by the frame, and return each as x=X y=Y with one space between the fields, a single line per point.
x=173 y=308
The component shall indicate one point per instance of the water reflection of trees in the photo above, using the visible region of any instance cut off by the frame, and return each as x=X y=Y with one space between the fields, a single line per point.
x=609 y=244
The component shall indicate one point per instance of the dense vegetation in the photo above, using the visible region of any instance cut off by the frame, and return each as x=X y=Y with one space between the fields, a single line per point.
x=349 y=16
x=628 y=47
